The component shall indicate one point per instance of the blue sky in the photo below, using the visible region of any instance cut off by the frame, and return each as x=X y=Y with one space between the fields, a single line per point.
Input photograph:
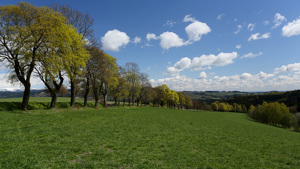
x=199 y=45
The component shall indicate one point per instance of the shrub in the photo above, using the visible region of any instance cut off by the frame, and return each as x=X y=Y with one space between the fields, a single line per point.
x=214 y=106
x=272 y=113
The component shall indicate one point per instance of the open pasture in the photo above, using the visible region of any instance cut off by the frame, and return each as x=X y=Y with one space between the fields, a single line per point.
x=142 y=137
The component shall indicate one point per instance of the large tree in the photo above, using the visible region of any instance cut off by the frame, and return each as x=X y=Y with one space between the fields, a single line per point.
x=25 y=30
x=83 y=23
x=53 y=63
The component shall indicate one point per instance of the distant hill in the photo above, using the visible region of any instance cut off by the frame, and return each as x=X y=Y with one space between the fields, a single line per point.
x=212 y=96
x=14 y=94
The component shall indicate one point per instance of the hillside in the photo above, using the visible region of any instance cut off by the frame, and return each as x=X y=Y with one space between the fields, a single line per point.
x=144 y=137
x=212 y=96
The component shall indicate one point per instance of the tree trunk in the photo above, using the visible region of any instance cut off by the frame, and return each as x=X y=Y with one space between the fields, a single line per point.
x=128 y=101
x=72 y=104
x=26 y=96
x=87 y=90
x=104 y=99
x=96 y=101
x=132 y=100
x=53 y=100
x=123 y=102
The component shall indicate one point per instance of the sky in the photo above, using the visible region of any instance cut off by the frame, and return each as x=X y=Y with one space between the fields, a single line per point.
x=197 y=45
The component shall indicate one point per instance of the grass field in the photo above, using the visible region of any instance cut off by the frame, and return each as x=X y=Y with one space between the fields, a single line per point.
x=142 y=138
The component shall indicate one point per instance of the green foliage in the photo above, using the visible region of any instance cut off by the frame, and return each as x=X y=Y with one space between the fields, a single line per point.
x=272 y=113
x=142 y=138
x=214 y=106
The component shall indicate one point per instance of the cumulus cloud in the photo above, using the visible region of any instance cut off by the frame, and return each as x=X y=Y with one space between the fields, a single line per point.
x=238 y=46
x=170 y=23
x=170 y=39
x=188 y=18
x=196 y=29
x=242 y=82
x=202 y=75
x=239 y=28
x=295 y=67
x=251 y=55
x=219 y=17
x=278 y=19
x=184 y=63
x=202 y=62
x=113 y=40
x=250 y=27
x=221 y=59
x=173 y=71
x=292 y=28
x=137 y=40
x=256 y=36
x=150 y=36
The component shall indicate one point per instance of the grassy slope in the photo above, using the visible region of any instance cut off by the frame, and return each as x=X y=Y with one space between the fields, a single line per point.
x=143 y=138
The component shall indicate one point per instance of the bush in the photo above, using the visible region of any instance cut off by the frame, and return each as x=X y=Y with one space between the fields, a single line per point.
x=214 y=106
x=272 y=113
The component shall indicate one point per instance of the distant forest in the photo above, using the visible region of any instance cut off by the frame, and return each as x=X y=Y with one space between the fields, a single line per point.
x=290 y=98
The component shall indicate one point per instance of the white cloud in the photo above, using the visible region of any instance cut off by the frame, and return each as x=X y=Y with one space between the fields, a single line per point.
x=150 y=36
x=36 y=83
x=241 y=82
x=184 y=63
x=202 y=62
x=170 y=23
x=291 y=29
x=295 y=67
x=238 y=46
x=202 y=75
x=235 y=20
x=239 y=28
x=114 y=39
x=188 y=18
x=137 y=40
x=251 y=55
x=219 y=17
x=221 y=59
x=256 y=36
x=278 y=19
x=196 y=29
x=173 y=71
x=170 y=39
x=250 y=27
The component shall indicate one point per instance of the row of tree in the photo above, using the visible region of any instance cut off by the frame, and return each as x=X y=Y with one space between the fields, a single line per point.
x=49 y=42
x=57 y=43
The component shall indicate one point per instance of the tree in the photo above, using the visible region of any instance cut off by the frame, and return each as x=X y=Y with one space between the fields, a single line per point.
x=83 y=22
x=181 y=99
x=145 y=86
x=92 y=73
x=25 y=31
x=188 y=102
x=108 y=75
x=121 y=91
x=131 y=72
x=65 y=45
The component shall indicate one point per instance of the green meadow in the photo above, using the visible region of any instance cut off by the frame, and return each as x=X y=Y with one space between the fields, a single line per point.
x=142 y=137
